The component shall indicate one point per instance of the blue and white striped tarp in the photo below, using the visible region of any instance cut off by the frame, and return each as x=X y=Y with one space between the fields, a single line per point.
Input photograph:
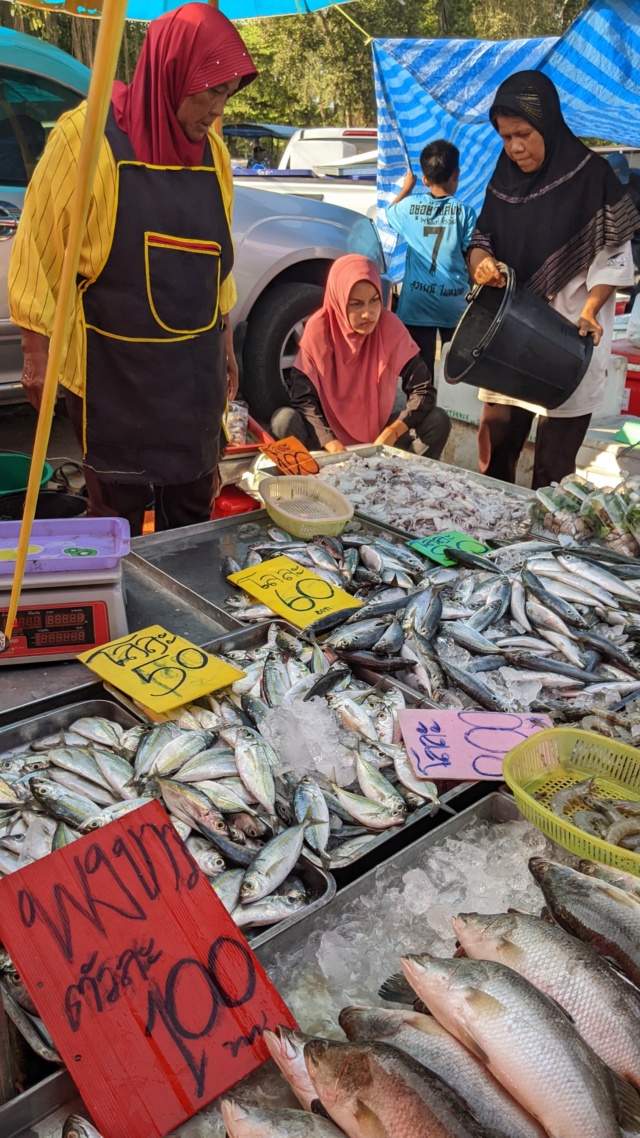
x=428 y=89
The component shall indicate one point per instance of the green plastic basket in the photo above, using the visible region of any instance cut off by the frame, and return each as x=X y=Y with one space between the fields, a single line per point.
x=555 y=759
x=14 y=472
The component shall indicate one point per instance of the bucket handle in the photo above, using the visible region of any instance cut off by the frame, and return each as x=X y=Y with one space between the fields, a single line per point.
x=509 y=289
x=63 y=472
x=475 y=290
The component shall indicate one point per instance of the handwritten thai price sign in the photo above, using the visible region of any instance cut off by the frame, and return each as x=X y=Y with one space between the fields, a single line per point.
x=291 y=456
x=151 y=994
x=466 y=745
x=293 y=591
x=159 y=670
x=433 y=547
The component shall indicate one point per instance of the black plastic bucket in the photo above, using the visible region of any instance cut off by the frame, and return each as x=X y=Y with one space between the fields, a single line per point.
x=512 y=342
x=51 y=504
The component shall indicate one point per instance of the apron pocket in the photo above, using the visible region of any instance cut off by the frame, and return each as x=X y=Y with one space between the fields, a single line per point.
x=183 y=282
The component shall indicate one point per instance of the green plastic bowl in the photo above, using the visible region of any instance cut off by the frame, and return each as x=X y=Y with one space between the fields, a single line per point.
x=14 y=472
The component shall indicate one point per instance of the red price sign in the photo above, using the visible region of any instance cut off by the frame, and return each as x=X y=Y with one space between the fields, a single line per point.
x=291 y=456
x=152 y=996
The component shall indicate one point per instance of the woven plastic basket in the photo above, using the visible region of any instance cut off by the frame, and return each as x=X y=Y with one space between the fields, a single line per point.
x=552 y=760
x=305 y=507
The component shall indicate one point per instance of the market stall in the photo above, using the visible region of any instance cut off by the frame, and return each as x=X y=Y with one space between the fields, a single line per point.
x=384 y=674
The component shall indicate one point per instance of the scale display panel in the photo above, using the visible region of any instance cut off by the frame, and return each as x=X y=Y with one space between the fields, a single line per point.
x=60 y=629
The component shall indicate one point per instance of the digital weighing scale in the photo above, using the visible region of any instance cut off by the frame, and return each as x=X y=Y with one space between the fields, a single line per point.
x=72 y=596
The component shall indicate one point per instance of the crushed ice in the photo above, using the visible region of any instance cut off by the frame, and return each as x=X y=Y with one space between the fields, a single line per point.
x=357 y=941
x=308 y=739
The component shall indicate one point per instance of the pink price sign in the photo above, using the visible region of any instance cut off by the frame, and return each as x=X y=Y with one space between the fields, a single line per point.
x=467 y=745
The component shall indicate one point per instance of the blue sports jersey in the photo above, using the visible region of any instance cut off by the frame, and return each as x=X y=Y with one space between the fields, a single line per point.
x=438 y=233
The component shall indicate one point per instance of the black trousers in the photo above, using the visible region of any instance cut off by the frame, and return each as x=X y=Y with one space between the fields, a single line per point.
x=503 y=432
x=427 y=438
x=186 y=504
x=425 y=338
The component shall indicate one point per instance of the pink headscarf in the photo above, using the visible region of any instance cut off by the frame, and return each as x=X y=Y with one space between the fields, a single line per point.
x=184 y=52
x=355 y=376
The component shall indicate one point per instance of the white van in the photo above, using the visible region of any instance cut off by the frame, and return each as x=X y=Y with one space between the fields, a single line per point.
x=326 y=146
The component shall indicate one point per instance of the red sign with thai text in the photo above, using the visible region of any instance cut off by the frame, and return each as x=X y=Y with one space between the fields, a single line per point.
x=152 y=996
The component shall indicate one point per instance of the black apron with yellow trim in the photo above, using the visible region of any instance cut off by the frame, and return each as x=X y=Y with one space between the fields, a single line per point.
x=155 y=353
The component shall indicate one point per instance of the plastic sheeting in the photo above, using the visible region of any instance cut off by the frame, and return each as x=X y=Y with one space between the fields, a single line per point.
x=428 y=89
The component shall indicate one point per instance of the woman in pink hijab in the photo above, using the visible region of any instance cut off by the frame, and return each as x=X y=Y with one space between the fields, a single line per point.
x=344 y=382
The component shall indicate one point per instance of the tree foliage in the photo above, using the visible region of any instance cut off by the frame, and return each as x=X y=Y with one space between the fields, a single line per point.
x=73 y=34
x=315 y=69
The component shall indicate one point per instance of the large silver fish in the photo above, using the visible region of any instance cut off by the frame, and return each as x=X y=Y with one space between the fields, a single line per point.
x=286 y=1047
x=243 y=1121
x=429 y=1043
x=372 y=1090
x=77 y=1127
x=600 y=1003
x=503 y=1019
x=598 y=913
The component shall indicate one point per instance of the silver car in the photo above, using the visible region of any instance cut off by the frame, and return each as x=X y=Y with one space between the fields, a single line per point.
x=284 y=244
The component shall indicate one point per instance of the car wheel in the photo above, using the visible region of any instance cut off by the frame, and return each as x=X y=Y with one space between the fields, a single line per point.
x=271 y=344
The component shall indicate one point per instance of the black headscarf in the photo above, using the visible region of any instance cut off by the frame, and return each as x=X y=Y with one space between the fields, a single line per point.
x=549 y=225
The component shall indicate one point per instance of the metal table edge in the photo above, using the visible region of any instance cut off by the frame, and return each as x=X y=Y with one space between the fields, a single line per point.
x=183 y=592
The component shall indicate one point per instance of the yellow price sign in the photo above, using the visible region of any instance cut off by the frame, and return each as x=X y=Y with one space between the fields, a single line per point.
x=159 y=670
x=293 y=591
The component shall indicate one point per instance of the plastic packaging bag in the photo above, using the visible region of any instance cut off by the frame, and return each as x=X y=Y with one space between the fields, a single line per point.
x=632 y=519
x=595 y=512
x=577 y=488
x=559 y=512
x=237 y=422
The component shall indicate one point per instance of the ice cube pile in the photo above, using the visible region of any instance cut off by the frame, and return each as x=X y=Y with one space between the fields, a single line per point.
x=308 y=738
x=357 y=941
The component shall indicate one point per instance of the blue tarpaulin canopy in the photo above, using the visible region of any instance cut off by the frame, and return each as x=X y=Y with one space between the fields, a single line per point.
x=428 y=89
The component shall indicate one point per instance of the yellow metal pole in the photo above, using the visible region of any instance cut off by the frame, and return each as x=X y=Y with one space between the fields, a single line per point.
x=104 y=69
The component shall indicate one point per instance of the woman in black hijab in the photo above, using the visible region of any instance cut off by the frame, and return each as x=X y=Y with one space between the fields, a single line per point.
x=558 y=216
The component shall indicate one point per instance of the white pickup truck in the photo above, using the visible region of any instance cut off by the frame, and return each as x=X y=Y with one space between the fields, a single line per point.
x=328 y=164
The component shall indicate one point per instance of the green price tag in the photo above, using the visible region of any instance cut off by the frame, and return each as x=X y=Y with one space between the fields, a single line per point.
x=433 y=547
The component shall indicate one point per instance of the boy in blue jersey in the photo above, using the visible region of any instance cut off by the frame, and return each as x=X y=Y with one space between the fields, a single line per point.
x=437 y=228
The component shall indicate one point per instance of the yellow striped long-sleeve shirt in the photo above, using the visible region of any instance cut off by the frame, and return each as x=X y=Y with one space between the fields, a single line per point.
x=36 y=260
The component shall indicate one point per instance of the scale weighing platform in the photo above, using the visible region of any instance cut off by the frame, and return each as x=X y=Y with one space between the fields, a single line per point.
x=72 y=596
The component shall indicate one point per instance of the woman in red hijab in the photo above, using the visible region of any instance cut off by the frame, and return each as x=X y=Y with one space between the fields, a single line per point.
x=344 y=382
x=150 y=360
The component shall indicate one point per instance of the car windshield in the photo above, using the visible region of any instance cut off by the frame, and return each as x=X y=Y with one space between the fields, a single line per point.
x=30 y=105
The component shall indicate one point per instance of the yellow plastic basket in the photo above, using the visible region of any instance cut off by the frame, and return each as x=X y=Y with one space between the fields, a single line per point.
x=305 y=507
x=554 y=759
